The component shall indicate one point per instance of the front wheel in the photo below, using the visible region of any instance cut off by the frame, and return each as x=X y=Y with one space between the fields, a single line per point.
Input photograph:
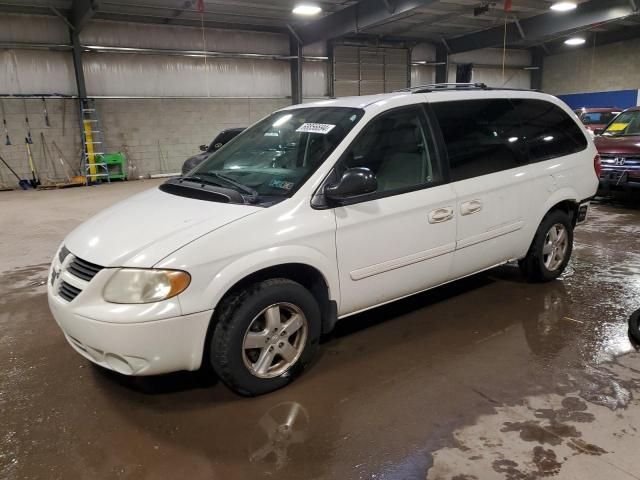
x=551 y=248
x=265 y=335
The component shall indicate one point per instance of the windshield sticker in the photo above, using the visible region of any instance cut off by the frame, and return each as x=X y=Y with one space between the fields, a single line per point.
x=322 y=128
x=281 y=184
x=271 y=134
x=617 y=127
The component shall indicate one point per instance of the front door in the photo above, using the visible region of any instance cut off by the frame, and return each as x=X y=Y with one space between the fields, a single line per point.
x=400 y=239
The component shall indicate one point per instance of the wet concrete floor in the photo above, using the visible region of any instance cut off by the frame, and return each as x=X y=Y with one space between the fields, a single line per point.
x=486 y=378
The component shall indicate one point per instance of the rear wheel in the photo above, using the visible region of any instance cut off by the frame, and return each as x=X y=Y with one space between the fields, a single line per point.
x=551 y=248
x=265 y=335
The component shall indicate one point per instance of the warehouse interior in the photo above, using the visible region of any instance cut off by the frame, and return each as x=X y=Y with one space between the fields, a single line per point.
x=484 y=378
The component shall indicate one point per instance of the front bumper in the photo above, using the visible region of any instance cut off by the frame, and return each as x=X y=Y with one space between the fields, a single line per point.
x=616 y=181
x=147 y=348
x=145 y=339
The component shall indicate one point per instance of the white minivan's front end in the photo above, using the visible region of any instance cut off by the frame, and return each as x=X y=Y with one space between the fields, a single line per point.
x=133 y=338
x=113 y=306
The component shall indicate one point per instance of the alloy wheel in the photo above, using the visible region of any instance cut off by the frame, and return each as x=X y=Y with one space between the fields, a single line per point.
x=556 y=244
x=275 y=340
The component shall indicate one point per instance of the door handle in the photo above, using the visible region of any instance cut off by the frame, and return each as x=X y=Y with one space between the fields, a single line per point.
x=474 y=206
x=440 y=215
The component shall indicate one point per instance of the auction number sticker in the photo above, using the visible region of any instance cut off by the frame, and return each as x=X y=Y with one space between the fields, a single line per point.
x=322 y=128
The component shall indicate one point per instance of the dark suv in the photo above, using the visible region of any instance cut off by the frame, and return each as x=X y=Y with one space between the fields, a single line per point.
x=619 y=148
x=224 y=137
x=596 y=119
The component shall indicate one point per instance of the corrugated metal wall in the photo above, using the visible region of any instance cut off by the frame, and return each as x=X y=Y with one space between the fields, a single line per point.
x=119 y=74
x=33 y=28
x=112 y=74
x=173 y=37
x=33 y=71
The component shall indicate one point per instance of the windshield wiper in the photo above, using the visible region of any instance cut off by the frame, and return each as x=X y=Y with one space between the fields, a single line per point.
x=254 y=194
x=193 y=178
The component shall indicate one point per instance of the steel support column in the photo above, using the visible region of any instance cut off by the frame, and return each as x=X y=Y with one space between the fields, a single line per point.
x=295 y=50
x=537 y=61
x=442 y=67
x=77 y=64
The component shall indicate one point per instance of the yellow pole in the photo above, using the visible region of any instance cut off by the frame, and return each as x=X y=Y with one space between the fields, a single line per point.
x=91 y=158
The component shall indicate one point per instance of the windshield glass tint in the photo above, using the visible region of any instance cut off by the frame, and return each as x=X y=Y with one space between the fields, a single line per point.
x=278 y=154
x=625 y=124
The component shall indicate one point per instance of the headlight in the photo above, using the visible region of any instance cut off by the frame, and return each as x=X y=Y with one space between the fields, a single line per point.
x=133 y=285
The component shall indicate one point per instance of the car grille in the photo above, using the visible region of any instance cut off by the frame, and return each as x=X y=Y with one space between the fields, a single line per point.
x=614 y=166
x=78 y=268
x=83 y=269
x=68 y=292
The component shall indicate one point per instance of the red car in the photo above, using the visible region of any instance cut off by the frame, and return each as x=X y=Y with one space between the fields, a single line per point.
x=619 y=147
x=597 y=119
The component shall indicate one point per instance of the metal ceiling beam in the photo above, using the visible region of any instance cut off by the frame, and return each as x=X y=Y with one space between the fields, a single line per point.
x=552 y=24
x=354 y=18
x=81 y=12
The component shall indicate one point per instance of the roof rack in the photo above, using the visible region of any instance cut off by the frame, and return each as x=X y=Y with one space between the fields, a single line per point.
x=439 y=87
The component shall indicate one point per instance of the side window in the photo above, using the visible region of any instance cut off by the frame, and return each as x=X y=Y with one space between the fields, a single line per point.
x=398 y=148
x=548 y=130
x=481 y=136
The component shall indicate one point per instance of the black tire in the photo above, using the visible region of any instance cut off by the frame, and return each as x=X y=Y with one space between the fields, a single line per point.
x=533 y=265
x=634 y=328
x=235 y=315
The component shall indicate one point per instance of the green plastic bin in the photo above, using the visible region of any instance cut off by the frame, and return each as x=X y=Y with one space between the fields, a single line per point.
x=116 y=164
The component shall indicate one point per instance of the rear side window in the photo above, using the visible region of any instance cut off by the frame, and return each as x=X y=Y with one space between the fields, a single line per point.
x=548 y=130
x=482 y=136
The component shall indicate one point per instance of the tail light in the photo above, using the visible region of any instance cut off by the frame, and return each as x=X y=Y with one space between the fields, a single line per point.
x=597 y=165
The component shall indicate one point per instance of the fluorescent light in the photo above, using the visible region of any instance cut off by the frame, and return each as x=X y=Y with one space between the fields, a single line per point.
x=563 y=6
x=575 y=41
x=306 y=10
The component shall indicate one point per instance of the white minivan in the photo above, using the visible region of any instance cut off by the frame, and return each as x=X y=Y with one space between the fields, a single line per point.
x=315 y=213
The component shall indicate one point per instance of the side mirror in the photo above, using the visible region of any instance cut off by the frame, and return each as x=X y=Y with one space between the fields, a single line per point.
x=203 y=148
x=598 y=131
x=354 y=182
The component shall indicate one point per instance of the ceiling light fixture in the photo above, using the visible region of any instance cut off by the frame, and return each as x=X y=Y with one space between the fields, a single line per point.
x=563 y=6
x=575 y=41
x=307 y=10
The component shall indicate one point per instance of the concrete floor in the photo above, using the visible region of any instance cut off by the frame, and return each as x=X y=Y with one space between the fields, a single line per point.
x=487 y=378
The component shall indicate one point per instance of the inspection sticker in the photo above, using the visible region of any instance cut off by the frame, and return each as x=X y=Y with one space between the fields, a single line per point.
x=322 y=128
x=281 y=184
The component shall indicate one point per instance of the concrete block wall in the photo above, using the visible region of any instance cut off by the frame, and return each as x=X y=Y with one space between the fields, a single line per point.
x=156 y=135
x=610 y=67
x=66 y=136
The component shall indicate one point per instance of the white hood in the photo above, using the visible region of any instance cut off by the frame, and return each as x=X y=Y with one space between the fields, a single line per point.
x=145 y=228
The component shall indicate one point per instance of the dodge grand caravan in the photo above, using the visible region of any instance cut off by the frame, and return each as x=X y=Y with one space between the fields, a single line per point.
x=315 y=213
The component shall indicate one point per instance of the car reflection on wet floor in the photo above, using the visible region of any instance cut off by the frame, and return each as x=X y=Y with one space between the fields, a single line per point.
x=488 y=377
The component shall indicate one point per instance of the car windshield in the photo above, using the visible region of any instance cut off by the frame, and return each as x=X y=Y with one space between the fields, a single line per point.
x=624 y=125
x=277 y=155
